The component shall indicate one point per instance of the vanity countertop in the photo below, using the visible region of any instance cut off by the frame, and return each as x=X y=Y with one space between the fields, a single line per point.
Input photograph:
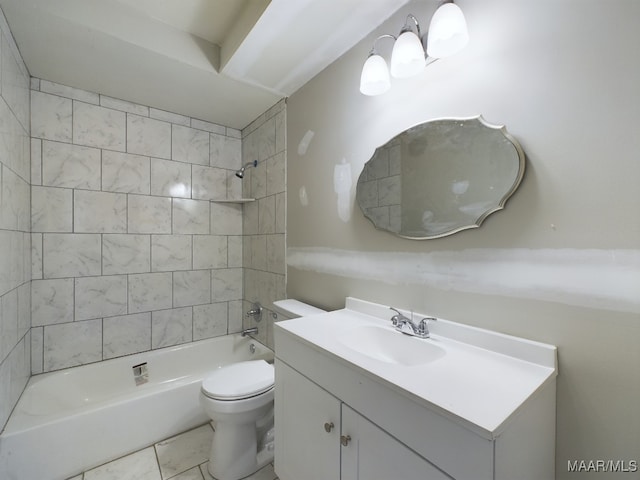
x=478 y=377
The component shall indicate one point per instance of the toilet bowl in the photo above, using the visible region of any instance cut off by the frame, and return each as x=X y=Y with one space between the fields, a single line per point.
x=239 y=400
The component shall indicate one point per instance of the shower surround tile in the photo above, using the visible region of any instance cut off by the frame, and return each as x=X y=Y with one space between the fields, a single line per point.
x=208 y=126
x=226 y=219
x=210 y=251
x=225 y=152
x=15 y=218
x=98 y=126
x=146 y=136
x=267 y=215
x=51 y=117
x=14 y=211
x=124 y=106
x=126 y=173
x=191 y=288
x=170 y=252
x=126 y=254
x=37 y=352
x=210 y=183
x=36 y=256
x=72 y=344
x=8 y=323
x=170 y=117
x=99 y=212
x=191 y=216
x=170 y=179
x=149 y=291
x=126 y=334
x=52 y=301
x=226 y=284
x=15 y=84
x=234 y=251
x=71 y=166
x=148 y=214
x=71 y=255
x=100 y=296
x=14 y=147
x=209 y=320
x=51 y=209
x=36 y=161
x=128 y=249
x=171 y=327
x=264 y=221
x=281 y=210
x=189 y=145
x=276 y=174
x=69 y=92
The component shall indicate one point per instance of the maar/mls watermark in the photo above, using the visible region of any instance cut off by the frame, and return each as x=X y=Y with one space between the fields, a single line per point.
x=603 y=466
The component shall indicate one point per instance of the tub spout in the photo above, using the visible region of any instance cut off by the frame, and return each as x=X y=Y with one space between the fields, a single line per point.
x=249 y=331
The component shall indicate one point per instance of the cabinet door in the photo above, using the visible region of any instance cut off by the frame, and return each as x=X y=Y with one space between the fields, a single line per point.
x=307 y=426
x=372 y=454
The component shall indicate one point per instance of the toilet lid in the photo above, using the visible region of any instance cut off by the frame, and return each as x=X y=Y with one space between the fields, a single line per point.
x=239 y=380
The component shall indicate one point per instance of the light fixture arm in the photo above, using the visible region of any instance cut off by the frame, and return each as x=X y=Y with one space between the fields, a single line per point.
x=407 y=27
x=373 y=50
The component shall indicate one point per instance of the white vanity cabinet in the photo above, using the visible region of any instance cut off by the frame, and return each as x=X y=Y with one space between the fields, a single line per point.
x=465 y=404
x=321 y=438
x=307 y=420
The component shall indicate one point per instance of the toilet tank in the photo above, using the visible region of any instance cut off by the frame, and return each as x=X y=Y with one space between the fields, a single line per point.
x=291 y=308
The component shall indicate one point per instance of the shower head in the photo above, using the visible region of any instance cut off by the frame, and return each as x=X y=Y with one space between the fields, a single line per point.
x=240 y=173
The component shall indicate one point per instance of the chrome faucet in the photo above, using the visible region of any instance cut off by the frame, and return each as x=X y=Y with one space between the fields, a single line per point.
x=409 y=327
x=249 y=331
x=255 y=312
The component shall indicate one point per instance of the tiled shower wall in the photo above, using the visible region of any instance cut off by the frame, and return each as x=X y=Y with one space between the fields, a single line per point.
x=129 y=252
x=15 y=264
x=265 y=218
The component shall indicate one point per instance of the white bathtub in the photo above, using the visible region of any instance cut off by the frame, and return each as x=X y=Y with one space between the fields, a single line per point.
x=75 y=419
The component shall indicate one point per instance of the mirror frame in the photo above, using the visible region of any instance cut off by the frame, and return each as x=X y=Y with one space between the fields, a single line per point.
x=501 y=203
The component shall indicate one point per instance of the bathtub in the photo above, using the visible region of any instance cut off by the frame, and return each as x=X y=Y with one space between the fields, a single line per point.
x=72 y=420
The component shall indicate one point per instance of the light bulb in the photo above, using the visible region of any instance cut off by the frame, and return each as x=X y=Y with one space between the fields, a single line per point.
x=407 y=58
x=375 y=76
x=447 y=32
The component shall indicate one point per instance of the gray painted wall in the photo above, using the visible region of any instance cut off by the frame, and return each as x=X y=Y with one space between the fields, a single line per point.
x=561 y=263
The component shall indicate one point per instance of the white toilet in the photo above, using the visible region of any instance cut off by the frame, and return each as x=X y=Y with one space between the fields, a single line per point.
x=239 y=399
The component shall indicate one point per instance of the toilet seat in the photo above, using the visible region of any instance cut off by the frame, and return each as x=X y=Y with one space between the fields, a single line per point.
x=239 y=380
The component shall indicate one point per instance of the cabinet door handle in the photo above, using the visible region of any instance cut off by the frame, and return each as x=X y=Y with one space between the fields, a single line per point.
x=328 y=427
x=345 y=439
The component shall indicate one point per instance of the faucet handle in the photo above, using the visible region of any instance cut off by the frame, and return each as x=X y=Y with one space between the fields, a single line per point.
x=396 y=318
x=423 y=326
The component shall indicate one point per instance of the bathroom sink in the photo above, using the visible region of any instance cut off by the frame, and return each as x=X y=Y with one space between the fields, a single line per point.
x=390 y=346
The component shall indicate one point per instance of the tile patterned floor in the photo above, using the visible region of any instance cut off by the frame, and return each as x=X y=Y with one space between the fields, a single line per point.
x=183 y=457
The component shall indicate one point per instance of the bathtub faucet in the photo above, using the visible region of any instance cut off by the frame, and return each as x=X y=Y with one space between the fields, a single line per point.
x=249 y=331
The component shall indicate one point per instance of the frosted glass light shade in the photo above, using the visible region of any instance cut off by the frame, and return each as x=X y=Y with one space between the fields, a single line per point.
x=374 y=79
x=407 y=57
x=447 y=32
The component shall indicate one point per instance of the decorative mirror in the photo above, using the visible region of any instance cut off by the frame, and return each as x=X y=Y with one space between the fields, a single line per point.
x=440 y=177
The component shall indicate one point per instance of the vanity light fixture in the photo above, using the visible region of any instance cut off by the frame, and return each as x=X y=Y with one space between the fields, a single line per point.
x=447 y=35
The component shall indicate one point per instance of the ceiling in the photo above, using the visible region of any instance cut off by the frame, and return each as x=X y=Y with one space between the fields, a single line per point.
x=223 y=61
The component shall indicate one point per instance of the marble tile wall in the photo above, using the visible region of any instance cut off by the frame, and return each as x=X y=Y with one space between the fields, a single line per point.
x=265 y=219
x=15 y=239
x=129 y=252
